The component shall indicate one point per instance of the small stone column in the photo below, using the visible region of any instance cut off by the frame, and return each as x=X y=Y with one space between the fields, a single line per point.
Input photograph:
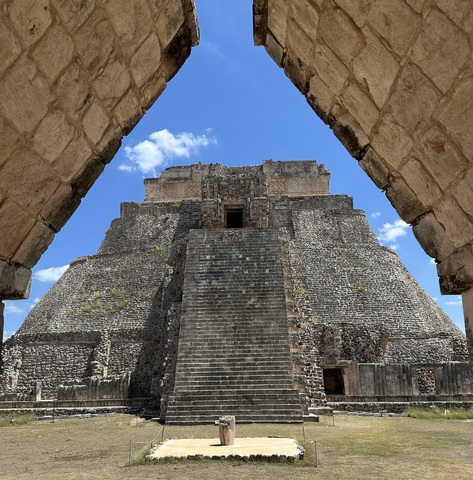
x=226 y=428
x=467 y=298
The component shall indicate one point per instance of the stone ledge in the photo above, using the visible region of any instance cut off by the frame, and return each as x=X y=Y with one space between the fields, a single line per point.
x=15 y=281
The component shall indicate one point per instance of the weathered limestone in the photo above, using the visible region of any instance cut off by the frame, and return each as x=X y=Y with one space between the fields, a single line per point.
x=75 y=77
x=230 y=290
x=467 y=297
x=226 y=430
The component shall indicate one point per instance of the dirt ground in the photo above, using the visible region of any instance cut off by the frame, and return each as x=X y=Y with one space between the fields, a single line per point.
x=355 y=448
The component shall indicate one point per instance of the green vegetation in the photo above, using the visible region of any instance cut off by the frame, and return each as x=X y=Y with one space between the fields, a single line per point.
x=93 y=302
x=362 y=288
x=16 y=420
x=299 y=291
x=439 y=414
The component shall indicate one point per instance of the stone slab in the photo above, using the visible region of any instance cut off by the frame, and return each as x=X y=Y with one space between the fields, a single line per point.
x=243 y=447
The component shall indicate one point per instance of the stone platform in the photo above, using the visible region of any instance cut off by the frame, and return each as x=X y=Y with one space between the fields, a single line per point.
x=259 y=448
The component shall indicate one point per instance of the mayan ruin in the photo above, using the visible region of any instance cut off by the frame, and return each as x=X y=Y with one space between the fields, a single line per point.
x=249 y=289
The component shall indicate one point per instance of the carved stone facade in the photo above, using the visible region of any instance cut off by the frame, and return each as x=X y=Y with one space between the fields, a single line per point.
x=357 y=324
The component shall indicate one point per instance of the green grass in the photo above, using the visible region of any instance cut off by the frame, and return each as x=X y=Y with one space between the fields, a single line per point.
x=439 y=414
x=16 y=420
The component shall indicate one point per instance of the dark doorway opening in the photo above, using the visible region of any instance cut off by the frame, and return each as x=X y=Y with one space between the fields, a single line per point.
x=235 y=218
x=333 y=381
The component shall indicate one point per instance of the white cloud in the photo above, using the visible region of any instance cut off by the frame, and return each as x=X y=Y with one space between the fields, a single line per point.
x=390 y=232
x=50 y=274
x=162 y=147
x=12 y=308
x=432 y=261
x=456 y=302
x=375 y=214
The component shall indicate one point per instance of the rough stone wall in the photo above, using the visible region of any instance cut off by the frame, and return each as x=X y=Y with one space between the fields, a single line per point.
x=355 y=303
x=107 y=315
x=75 y=77
x=393 y=79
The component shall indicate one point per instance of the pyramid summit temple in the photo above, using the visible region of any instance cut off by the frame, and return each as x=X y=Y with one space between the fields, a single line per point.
x=246 y=291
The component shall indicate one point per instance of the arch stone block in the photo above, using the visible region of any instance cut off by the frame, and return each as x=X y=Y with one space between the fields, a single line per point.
x=75 y=77
x=394 y=81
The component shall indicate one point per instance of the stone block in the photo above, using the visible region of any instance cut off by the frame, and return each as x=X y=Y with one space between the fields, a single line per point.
x=275 y=51
x=441 y=50
x=52 y=135
x=360 y=106
x=72 y=159
x=356 y=9
x=131 y=20
x=169 y=22
x=87 y=176
x=15 y=281
x=8 y=140
x=414 y=100
x=375 y=67
x=456 y=114
x=112 y=83
x=74 y=12
x=74 y=92
x=109 y=145
x=459 y=11
x=9 y=48
x=455 y=221
x=439 y=157
x=60 y=207
x=128 y=112
x=463 y=192
x=404 y=200
x=296 y=71
x=456 y=272
x=396 y=22
x=95 y=42
x=375 y=168
x=392 y=142
x=300 y=43
x=152 y=90
x=421 y=182
x=277 y=18
x=320 y=98
x=35 y=184
x=340 y=34
x=177 y=52
x=13 y=218
x=25 y=95
x=95 y=122
x=330 y=68
x=306 y=15
x=349 y=132
x=417 y=5
x=30 y=19
x=146 y=61
x=54 y=51
x=34 y=245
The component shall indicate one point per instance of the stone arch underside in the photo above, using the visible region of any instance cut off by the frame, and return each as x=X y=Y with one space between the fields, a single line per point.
x=392 y=79
x=75 y=77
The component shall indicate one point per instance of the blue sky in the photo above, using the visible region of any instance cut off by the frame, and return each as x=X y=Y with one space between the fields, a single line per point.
x=229 y=104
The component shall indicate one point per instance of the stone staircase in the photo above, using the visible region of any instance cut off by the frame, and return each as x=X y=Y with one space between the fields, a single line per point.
x=233 y=356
